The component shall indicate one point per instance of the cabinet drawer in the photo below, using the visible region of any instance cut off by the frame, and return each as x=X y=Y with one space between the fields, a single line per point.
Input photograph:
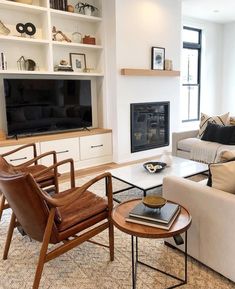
x=95 y=146
x=65 y=149
x=19 y=157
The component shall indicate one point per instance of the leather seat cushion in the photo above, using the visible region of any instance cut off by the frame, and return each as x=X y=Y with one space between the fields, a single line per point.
x=187 y=144
x=87 y=206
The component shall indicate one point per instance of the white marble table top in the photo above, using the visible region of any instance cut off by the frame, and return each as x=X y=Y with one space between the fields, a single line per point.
x=139 y=177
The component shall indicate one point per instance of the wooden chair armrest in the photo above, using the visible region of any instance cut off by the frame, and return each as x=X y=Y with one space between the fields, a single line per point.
x=55 y=167
x=34 y=160
x=63 y=200
x=21 y=148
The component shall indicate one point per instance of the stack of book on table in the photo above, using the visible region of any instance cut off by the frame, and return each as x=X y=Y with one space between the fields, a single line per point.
x=160 y=218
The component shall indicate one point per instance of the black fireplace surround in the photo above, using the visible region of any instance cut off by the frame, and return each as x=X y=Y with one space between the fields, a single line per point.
x=149 y=125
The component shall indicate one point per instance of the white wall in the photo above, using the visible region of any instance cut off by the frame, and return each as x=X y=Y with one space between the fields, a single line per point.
x=228 y=89
x=141 y=24
x=211 y=69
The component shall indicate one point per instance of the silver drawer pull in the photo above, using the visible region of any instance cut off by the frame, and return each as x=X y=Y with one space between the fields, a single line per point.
x=97 y=146
x=62 y=152
x=19 y=159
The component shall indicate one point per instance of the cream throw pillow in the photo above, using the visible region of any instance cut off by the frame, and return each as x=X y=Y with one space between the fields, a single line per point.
x=227 y=156
x=218 y=119
x=222 y=176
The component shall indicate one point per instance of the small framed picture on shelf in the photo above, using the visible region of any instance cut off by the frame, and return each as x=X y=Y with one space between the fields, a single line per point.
x=158 y=58
x=78 y=62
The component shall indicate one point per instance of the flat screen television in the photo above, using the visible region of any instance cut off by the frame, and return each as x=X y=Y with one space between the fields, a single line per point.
x=39 y=106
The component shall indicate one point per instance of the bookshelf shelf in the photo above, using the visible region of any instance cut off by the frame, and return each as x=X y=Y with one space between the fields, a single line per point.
x=41 y=48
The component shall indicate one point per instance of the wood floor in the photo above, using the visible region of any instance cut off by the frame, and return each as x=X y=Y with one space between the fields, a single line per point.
x=103 y=168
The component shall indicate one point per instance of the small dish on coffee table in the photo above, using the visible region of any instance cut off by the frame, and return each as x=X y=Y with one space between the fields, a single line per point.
x=154 y=167
x=154 y=202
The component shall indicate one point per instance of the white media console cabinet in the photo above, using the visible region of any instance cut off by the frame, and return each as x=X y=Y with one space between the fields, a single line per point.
x=86 y=148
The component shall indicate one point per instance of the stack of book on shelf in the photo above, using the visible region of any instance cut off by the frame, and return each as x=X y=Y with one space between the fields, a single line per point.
x=3 y=63
x=59 y=4
x=62 y=67
x=160 y=218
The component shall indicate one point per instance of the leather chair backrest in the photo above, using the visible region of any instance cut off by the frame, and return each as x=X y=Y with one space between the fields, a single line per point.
x=5 y=166
x=22 y=194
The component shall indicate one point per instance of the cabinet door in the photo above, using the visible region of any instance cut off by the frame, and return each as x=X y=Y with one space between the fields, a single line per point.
x=20 y=156
x=95 y=146
x=65 y=149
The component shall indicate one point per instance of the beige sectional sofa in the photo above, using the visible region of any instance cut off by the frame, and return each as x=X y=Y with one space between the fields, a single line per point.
x=183 y=143
x=211 y=237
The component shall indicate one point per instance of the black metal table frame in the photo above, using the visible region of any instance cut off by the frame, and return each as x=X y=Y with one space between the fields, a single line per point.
x=136 y=261
x=132 y=186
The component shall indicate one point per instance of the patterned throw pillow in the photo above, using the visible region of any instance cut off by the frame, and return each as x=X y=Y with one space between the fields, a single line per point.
x=218 y=119
x=232 y=120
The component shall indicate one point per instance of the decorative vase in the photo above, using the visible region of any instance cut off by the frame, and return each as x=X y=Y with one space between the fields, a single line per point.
x=87 y=11
x=166 y=158
x=70 y=8
x=77 y=37
x=24 y=1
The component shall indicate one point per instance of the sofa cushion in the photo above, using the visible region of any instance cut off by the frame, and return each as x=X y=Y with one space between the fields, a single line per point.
x=218 y=119
x=221 y=176
x=219 y=133
x=187 y=144
x=227 y=156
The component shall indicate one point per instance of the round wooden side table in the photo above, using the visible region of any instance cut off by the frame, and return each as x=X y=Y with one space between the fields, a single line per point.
x=180 y=225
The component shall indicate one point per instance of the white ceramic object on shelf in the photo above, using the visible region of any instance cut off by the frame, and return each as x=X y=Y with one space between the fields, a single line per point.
x=87 y=11
x=24 y=1
x=77 y=37
x=166 y=158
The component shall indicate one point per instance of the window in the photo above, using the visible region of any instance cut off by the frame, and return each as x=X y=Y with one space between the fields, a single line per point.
x=191 y=67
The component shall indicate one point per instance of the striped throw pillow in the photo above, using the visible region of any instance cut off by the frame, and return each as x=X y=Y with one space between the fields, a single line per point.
x=218 y=119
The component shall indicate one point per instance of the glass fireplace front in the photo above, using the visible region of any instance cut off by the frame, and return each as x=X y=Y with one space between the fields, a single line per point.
x=149 y=125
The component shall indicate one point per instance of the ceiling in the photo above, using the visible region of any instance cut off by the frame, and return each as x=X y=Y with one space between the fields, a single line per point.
x=220 y=11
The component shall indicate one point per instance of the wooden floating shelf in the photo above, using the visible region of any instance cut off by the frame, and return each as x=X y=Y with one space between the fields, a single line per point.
x=149 y=72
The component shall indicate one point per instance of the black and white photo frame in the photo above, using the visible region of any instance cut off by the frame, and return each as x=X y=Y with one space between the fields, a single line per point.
x=78 y=62
x=158 y=58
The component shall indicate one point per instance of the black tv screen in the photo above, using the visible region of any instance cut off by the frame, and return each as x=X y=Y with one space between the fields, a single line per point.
x=37 y=106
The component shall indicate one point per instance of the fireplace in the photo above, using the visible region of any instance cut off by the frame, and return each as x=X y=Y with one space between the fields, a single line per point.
x=149 y=125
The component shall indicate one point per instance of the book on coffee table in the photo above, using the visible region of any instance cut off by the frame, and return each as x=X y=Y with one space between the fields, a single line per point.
x=164 y=226
x=163 y=215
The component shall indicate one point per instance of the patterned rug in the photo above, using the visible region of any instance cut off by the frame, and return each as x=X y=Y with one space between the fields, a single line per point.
x=88 y=265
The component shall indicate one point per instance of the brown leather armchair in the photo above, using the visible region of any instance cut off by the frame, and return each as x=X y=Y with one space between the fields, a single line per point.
x=48 y=179
x=57 y=219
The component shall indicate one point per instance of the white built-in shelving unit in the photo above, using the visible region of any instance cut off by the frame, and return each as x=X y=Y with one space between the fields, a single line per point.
x=41 y=48
x=87 y=148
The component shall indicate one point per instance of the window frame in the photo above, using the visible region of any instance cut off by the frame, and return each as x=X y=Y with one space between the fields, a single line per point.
x=198 y=47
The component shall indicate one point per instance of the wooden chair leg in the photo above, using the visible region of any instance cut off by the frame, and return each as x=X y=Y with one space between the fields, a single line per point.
x=111 y=241
x=43 y=251
x=2 y=203
x=9 y=236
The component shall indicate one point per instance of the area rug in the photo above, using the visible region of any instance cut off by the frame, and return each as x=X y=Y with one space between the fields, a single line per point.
x=88 y=265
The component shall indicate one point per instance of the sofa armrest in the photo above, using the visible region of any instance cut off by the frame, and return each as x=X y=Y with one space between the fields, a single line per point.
x=211 y=236
x=177 y=136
